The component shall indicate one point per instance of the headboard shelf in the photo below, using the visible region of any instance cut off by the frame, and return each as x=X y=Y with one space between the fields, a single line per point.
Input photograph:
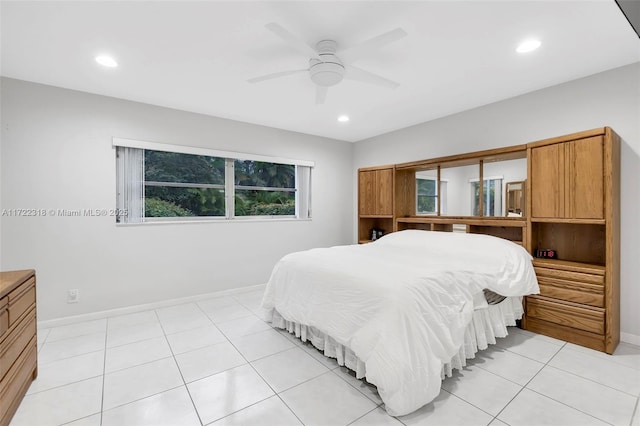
x=570 y=221
x=512 y=229
x=466 y=220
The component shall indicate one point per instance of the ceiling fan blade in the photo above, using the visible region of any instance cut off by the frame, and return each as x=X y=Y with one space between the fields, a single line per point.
x=275 y=75
x=358 y=74
x=321 y=94
x=293 y=40
x=356 y=52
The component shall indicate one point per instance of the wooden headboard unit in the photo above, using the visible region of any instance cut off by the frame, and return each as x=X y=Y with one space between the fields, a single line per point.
x=571 y=207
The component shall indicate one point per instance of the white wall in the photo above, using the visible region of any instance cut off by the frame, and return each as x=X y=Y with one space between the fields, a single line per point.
x=56 y=154
x=610 y=98
x=457 y=201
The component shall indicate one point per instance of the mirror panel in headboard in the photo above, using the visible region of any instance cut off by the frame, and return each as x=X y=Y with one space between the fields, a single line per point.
x=497 y=175
x=456 y=188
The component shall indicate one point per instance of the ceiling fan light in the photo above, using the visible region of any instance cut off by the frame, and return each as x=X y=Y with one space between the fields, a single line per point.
x=327 y=78
x=326 y=73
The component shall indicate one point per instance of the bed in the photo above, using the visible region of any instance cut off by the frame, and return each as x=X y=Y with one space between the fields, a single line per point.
x=403 y=311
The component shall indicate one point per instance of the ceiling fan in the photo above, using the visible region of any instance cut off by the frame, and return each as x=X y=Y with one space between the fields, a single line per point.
x=326 y=68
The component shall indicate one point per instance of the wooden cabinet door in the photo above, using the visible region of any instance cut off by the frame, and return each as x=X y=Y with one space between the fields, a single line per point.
x=384 y=192
x=375 y=192
x=366 y=192
x=584 y=194
x=547 y=181
x=567 y=180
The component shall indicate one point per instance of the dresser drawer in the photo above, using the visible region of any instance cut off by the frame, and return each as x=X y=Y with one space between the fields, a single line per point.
x=16 y=382
x=572 y=291
x=16 y=341
x=4 y=321
x=4 y=316
x=569 y=275
x=568 y=314
x=21 y=299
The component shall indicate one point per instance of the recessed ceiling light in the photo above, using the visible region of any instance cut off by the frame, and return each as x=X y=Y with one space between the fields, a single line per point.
x=106 y=61
x=528 y=46
x=343 y=118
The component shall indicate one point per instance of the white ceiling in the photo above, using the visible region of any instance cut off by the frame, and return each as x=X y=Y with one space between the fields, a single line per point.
x=197 y=56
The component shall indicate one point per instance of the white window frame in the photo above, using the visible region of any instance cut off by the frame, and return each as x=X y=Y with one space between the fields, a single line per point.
x=435 y=211
x=302 y=188
x=497 y=194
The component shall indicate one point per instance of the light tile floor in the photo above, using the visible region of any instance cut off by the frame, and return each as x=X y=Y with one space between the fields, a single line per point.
x=216 y=362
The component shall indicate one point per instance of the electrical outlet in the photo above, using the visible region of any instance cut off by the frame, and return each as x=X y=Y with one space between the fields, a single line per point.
x=73 y=295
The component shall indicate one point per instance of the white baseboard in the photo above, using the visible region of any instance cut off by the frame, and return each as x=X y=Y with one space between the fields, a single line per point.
x=144 y=307
x=632 y=339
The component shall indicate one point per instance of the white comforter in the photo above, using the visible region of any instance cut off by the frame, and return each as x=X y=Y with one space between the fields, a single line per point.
x=401 y=304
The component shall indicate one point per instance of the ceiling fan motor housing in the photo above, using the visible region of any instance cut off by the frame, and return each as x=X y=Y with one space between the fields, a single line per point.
x=329 y=70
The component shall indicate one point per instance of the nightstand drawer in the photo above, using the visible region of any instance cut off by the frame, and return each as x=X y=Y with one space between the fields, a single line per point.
x=569 y=275
x=572 y=291
x=21 y=299
x=568 y=314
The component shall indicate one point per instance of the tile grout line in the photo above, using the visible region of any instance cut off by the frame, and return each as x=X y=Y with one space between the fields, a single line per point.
x=591 y=380
x=504 y=378
x=365 y=414
x=68 y=383
x=302 y=382
x=145 y=363
x=547 y=396
x=78 y=381
x=149 y=362
x=331 y=370
x=44 y=341
x=69 y=356
x=104 y=370
x=74 y=337
x=610 y=357
x=522 y=387
x=569 y=406
x=259 y=375
x=467 y=402
x=142 y=398
x=193 y=404
x=636 y=411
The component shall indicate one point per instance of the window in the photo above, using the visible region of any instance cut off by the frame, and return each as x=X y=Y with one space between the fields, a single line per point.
x=168 y=185
x=264 y=189
x=492 y=197
x=183 y=185
x=427 y=195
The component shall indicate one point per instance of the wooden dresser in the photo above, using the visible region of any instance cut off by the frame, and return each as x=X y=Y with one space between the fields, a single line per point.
x=18 y=350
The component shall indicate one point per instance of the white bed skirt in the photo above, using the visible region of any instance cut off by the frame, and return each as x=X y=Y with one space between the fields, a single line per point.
x=487 y=324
